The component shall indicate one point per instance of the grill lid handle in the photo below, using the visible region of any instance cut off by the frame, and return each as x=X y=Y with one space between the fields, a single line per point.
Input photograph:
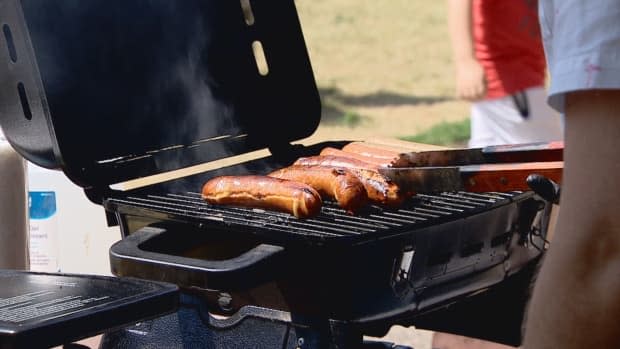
x=130 y=257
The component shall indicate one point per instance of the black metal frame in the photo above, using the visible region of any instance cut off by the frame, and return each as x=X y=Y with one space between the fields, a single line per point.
x=366 y=287
x=252 y=327
x=495 y=315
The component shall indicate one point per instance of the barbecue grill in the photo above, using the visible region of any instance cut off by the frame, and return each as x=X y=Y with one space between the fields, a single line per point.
x=114 y=93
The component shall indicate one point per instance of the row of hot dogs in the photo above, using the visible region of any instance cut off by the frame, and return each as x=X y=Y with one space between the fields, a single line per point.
x=348 y=176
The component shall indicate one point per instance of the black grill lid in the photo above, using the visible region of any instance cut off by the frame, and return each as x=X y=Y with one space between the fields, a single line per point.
x=111 y=91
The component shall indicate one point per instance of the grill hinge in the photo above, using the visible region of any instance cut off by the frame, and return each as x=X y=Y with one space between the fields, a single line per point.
x=97 y=195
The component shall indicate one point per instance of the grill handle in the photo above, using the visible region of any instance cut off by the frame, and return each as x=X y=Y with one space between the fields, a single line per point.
x=128 y=257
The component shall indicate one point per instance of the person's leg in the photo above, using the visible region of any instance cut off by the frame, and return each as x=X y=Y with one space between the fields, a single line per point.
x=481 y=134
x=499 y=121
x=491 y=121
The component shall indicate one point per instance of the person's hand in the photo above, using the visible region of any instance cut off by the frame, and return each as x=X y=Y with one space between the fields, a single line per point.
x=470 y=80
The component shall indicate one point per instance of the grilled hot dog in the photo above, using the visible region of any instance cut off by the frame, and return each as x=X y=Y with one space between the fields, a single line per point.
x=387 y=157
x=269 y=193
x=375 y=160
x=379 y=188
x=370 y=150
x=334 y=161
x=332 y=182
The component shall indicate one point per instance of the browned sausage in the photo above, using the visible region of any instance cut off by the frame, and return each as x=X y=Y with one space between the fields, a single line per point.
x=332 y=182
x=370 y=151
x=334 y=161
x=380 y=155
x=375 y=160
x=265 y=192
x=379 y=188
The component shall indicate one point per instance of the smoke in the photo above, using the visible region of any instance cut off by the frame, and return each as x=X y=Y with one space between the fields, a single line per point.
x=142 y=81
x=206 y=110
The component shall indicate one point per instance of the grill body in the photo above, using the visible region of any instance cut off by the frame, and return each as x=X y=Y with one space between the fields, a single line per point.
x=369 y=271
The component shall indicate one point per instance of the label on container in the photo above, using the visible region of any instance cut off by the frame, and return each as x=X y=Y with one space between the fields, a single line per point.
x=43 y=231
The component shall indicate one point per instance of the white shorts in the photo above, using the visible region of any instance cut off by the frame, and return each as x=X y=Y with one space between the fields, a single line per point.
x=499 y=121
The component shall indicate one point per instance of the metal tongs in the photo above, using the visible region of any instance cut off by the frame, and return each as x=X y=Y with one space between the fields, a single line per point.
x=489 y=169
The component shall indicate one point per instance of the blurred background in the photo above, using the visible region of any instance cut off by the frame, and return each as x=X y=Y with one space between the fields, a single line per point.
x=384 y=70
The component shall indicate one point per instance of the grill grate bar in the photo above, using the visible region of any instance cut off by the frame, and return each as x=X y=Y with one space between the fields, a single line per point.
x=498 y=195
x=382 y=220
x=447 y=200
x=444 y=209
x=240 y=213
x=405 y=219
x=336 y=214
x=227 y=217
x=415 y=215
x=444 y=204
x=419 y=213
x=321 y=221
x=431 y=210
x=332 y=222
x=472 y=200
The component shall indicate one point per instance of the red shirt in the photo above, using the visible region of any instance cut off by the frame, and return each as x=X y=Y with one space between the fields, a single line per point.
x=507 y=43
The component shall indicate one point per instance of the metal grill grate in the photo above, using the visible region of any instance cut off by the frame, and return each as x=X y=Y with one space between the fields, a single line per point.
x=331 y=223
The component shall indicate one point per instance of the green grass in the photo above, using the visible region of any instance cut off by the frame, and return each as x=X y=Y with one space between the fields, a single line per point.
x=351 y=119
x=444 y=133
x=383 y=69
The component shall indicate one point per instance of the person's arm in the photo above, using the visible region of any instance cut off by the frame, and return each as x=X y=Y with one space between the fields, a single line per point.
x=576 y=299
x=470 y=81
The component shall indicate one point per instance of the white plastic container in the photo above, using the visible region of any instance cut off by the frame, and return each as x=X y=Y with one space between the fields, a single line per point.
x=77 y=238
x=44 y=232
x=13 y=209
